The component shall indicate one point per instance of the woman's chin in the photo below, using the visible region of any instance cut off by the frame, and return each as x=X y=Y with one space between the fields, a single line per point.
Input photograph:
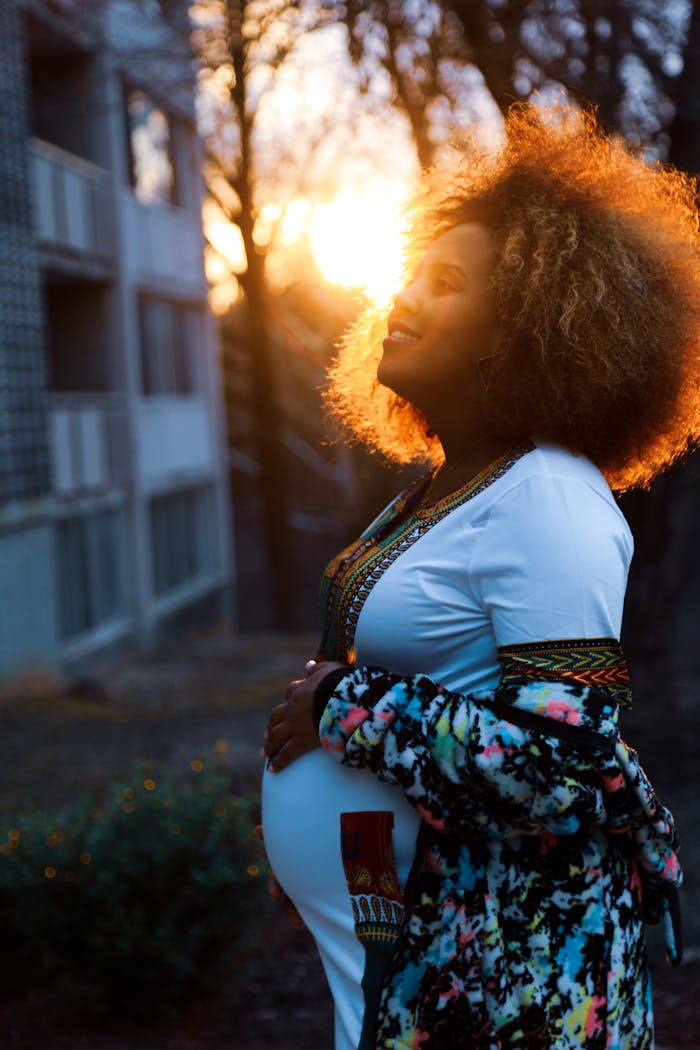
x=390 y=377
x=396 y=381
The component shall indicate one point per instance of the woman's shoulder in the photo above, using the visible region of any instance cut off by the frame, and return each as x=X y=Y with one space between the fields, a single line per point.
x=546 y=464
x=552 y=552
x=545 y=458
x=550 y=479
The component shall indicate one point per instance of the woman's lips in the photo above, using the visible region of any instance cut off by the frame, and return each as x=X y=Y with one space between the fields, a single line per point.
x=399 y=336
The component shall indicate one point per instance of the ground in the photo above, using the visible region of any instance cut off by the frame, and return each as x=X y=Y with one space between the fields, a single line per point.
x=173 y=706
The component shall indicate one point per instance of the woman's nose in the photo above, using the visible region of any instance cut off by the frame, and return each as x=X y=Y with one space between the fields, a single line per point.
x=408 y=298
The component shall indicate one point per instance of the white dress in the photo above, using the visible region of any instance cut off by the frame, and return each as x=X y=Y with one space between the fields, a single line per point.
x=539 y=552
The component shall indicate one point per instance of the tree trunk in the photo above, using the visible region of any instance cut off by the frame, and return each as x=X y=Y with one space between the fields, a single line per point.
x=269 y=425
x=684 y=151
x=494 y=57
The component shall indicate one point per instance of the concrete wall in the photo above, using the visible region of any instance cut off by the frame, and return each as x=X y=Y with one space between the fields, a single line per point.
x=27 y=610
x=27 y=634
x=77 y=251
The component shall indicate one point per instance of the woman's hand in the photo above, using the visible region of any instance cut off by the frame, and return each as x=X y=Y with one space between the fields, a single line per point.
x=290 y=730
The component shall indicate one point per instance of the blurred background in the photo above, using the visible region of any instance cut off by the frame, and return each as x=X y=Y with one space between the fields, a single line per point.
x=196 y=198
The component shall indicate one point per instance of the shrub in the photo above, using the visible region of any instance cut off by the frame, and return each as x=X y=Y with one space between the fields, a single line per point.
x=139 y=899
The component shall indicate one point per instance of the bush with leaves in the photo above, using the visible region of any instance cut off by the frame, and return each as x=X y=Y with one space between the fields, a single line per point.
x=139 y=899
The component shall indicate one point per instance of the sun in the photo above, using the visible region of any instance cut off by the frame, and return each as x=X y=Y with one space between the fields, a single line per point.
x=357 y=240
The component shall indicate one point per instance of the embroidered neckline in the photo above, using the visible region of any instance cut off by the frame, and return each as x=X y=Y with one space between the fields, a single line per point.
x=352 y=574
x=493 y=470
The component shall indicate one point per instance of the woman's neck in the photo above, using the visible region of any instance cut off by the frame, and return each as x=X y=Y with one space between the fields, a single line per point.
x=464 y=462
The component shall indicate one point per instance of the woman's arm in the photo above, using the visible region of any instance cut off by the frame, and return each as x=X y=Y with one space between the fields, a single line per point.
x=519 y=758
x=531 y=757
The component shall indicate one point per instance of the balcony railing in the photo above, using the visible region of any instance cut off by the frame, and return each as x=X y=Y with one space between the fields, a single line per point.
x=89 y=443
x=73 y=204
x=163 y=246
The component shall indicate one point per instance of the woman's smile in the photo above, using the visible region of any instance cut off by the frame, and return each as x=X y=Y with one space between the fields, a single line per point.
x=399 y=333
x=443 y=321
x=399 y=337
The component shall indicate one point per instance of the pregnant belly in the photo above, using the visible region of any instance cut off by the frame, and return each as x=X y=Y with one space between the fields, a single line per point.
x=301 y=826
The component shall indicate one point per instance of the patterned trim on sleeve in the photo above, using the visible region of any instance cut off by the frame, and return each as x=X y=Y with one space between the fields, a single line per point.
x=596 y=662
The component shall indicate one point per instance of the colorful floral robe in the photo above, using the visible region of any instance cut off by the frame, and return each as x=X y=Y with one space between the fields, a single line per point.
x=543 y=849
x=542 y=852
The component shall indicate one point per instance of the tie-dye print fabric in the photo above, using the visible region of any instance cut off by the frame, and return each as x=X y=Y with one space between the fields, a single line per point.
x=543 y=849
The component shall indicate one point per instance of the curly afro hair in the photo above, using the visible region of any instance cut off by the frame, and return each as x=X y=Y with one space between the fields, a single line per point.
x=597 y=286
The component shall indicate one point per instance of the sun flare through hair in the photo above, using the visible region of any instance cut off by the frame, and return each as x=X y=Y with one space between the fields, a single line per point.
x=597 y=288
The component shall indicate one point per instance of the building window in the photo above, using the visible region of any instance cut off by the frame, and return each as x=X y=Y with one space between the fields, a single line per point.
x=91 y=562
x=152 y=169
x=168 y=334
x=182 y=537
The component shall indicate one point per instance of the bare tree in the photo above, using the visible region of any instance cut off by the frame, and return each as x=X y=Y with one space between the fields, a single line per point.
x=622 y=56
x=684 y=150
x=418 y=47
x=244 y=44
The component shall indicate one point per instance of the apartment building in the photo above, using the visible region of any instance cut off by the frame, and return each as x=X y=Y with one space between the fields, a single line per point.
x=114 y=496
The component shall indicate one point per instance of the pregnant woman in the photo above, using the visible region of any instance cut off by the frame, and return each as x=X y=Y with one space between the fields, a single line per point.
x=447 y=800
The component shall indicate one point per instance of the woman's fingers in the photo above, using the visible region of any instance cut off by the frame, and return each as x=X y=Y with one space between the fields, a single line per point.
x=286 y=754
x=276 y=719
x=277 y=715
x=290 y=730
x=276 y=737
x=292 y=686
x=282 y=746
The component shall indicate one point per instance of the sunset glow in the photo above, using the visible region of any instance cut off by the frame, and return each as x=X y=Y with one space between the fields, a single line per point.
x=356 y=242
x=228 y=241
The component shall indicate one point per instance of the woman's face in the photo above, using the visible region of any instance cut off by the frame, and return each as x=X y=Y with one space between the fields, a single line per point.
x=443 y=322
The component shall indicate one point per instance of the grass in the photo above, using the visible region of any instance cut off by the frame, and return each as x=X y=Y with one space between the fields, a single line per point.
x=170 y=708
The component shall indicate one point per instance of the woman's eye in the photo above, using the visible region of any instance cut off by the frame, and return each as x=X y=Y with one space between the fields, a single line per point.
x=443 y=282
